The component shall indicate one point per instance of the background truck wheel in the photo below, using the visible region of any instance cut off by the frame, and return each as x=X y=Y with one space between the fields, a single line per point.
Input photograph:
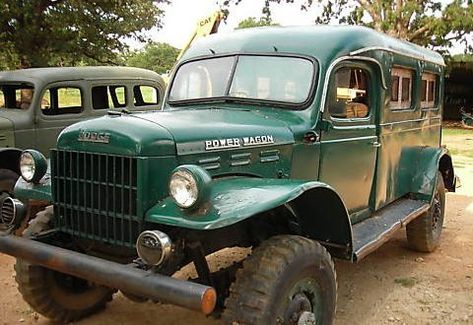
x=423 y=234
x=60 y=297
x=57 y=296
x=288 y=279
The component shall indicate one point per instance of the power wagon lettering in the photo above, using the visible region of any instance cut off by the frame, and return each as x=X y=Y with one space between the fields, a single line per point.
x=237 y=142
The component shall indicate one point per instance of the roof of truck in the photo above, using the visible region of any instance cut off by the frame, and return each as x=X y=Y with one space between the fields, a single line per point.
x=321 y=41
x=47 y=75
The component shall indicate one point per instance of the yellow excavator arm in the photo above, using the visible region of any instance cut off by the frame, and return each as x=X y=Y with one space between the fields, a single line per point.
x=206 y=26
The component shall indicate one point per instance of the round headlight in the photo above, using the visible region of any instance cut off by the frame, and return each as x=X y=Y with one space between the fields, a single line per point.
x=33 y=165
x=189 y=185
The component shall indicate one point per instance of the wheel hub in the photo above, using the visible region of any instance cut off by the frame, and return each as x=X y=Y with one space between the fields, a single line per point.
x=299 y=310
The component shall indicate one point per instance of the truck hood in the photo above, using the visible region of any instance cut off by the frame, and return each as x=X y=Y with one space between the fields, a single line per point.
x=181 y=132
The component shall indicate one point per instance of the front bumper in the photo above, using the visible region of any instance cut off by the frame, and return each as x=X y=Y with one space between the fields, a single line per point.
x=114 y=275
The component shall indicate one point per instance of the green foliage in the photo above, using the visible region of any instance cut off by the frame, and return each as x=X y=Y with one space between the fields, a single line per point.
x=251 y=22
x=35 y=33
x=159 y=57
x=426 y=22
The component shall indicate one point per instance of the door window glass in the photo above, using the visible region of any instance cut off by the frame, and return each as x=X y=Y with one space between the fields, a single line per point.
x=105 y=97
x=62 y=100
x=145 y=95
x=349 y=95
x=401 y=88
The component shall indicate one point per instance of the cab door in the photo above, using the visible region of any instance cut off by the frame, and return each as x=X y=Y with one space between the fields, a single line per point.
x=349 y=140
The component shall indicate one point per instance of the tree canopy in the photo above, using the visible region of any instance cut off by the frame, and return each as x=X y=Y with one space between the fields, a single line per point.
x=425 y=22
x=35 y=33
x=159 y=57
x=251 y=22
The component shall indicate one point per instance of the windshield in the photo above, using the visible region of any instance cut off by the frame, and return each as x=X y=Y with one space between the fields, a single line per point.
x=16 y=96
x=269 y=78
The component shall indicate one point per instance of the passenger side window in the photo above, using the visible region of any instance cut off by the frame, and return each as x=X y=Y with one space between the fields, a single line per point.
x=401 y=88
x=145 y=95
x=349 y=93
x=105 y=97
x=62 y=100
x=428 y=90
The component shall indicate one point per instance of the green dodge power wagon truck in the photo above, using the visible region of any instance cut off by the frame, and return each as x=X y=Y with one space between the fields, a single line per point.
x=301 y=143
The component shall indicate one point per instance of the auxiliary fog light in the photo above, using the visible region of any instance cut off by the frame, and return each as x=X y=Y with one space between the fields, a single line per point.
x=189 y=185
x=153 y=247
x=33 y=166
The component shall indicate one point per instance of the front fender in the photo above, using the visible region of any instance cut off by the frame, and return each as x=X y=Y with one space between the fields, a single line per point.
x=30 y=191
x=231 y=201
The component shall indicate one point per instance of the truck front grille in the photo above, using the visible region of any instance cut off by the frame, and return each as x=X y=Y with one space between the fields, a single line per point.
x=95 y=196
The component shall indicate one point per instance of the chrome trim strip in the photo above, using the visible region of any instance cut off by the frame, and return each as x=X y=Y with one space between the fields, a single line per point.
x=387 y=49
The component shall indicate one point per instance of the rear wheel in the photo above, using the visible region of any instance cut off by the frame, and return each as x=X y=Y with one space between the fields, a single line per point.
x=287 y=280
x=423 y=234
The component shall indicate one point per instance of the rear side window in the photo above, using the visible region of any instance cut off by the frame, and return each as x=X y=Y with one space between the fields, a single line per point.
x=429 y=90
x=62 y=100
x=349 y=94
x=401 y=88
x=106 y=97
x=145 y=95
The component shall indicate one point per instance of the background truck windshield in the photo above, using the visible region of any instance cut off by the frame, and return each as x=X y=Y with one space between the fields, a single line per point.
x=270 y=78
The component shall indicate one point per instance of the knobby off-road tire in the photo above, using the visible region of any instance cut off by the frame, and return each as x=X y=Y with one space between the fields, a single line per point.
x=423 y=233
x=8 y=180
x=286 y=279
x=58 y=296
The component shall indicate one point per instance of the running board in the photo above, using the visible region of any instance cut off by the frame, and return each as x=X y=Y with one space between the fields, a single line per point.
x=373 y=232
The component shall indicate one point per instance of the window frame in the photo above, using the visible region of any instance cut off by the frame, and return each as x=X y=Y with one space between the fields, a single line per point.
x=430 y=77
x=402 y=73
x=108 y=86
x=145 y=104
x=260 y=102
x=57 y=110
x=369 y=84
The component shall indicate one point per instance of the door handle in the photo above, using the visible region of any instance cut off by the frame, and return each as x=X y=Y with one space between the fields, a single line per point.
x=376 y=144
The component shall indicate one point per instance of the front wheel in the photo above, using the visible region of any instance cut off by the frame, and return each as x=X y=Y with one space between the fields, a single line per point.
x=287 y=280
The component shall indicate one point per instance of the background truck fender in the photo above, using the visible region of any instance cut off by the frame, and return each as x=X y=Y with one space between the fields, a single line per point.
x=10 y=158
x=320 y=211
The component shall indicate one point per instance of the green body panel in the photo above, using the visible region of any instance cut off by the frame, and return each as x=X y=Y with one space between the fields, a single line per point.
x=231 y=200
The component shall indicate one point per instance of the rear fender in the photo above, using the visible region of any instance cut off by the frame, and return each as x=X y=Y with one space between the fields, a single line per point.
x=428 y=162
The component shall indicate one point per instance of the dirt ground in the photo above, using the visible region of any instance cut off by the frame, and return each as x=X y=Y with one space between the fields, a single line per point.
x=391 y=286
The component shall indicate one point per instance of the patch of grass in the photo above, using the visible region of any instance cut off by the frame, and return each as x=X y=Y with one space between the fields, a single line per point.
x=407 y=282
x=446 y=131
